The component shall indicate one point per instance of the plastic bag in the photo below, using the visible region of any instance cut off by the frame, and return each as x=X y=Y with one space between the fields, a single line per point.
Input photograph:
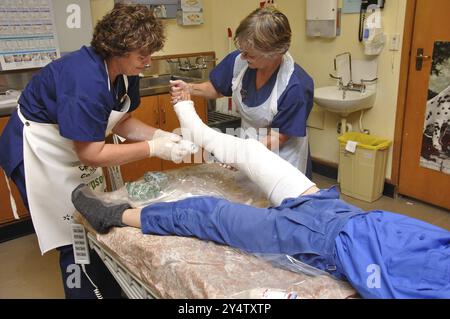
x=208 y=180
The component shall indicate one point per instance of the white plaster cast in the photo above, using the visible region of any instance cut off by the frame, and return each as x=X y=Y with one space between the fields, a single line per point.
x=275 y=176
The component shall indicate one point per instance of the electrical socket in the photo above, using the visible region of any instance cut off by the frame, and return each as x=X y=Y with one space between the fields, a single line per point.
x=394 y=42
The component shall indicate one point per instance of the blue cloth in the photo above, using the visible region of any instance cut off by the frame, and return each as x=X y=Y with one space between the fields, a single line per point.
x=294 y=104
x=411 y=257
x=303 y=227
x=386 y=255
x=18 y=177
x=73 y=93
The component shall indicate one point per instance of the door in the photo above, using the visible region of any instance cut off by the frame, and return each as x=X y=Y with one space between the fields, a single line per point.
x=425 y=154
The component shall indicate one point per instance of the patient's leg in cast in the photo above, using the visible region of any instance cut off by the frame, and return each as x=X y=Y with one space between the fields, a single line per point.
x=275 y=176
x=207 y=218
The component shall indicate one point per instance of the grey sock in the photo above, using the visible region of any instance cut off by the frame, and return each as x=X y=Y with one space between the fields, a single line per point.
x=100 y=215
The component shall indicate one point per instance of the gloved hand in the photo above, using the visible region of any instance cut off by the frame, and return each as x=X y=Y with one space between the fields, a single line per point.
x=189 y=146
x=177 y=87
x=168 y=148
x=161 y=133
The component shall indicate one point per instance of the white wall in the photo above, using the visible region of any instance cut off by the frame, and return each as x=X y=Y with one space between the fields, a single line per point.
x=313 y=54
x=316 y=56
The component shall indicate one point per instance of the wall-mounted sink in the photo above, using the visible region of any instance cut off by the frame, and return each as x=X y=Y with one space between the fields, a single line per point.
x=335 y=100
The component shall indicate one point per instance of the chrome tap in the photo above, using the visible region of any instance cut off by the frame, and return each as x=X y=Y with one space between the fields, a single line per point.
x=183 y=66
x=350 y=86
x=350 y=83
x=200 y=62
x=339 y=78
x=187 y=66
x=363 y=83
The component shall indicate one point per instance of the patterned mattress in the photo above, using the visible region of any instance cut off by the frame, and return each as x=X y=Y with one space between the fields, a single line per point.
x=181 y=267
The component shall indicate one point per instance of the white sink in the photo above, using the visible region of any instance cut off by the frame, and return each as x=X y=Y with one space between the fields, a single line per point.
x=333 y=100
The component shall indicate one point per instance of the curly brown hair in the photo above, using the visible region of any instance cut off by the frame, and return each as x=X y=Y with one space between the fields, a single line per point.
x=128 y=28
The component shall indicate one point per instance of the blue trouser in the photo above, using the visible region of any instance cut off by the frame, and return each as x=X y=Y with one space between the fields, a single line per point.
x=97 y=271
x=386 y=255
x=411 y=257
x=301 y=233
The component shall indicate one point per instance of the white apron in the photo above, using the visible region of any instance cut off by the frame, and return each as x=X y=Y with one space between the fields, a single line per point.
x=52 y=171
x=295 y=149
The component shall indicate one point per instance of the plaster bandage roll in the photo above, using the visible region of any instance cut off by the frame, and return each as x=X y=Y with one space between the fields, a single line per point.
x=276 y=177
x=189 y=146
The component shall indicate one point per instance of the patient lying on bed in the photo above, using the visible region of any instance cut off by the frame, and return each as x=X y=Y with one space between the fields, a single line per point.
x=381 y=254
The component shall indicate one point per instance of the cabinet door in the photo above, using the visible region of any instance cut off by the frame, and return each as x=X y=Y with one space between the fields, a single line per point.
x=168 y=117
x=6 y=213
x=169 y=122
x=201 y=107
x=147 y=112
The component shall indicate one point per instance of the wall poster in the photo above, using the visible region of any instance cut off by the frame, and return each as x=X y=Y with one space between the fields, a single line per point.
x=27 y=34
x=435 y=153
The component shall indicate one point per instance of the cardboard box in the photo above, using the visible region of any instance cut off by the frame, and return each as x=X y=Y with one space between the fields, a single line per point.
x=189 y=17
x=191 y=5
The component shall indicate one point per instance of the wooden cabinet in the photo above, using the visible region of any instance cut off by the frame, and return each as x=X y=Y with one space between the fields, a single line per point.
x=157 y=111
x=6 y=210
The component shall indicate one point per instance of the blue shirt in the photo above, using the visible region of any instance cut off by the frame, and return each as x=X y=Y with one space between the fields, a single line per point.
x=294 y=104
x=73 y=93
x=387 y=255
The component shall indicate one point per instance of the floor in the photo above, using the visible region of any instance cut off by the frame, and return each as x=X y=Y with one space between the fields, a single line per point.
x=27 y=274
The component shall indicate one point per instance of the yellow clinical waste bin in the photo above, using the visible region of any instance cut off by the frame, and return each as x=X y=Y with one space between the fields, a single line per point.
x=362 y=169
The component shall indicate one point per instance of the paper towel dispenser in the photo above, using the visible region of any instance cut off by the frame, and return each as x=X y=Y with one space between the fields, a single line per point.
x=321 y=18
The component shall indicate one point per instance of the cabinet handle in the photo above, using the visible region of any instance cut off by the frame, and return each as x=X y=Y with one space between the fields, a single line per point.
x=163 y=116
x=156 y=117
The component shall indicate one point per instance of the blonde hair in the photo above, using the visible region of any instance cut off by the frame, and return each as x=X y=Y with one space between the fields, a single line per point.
x=128 y=28
x=266 y=30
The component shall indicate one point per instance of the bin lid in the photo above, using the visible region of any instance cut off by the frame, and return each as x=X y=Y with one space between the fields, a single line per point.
x=366 y=141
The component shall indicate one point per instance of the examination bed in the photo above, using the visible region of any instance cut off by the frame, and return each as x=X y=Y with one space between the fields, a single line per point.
x=150 y=266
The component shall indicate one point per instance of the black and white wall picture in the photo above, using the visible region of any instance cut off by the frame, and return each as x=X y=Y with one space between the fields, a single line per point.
x=435 y=152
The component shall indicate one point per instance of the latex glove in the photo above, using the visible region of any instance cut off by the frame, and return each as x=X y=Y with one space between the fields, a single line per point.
x=177 y=87
x=168 y=148
x=161 y=133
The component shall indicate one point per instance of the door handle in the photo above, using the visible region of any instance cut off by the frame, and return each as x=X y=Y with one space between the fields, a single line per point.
x=420 y=58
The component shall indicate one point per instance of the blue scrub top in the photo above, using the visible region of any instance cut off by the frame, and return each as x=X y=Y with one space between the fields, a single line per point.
x=294 y=105
x=73 y=93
